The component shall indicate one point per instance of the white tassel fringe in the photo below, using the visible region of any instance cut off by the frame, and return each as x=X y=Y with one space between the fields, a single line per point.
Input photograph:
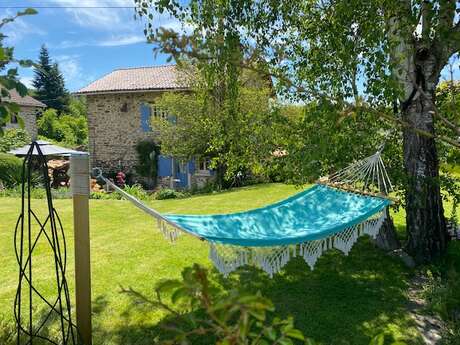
x=227 y=258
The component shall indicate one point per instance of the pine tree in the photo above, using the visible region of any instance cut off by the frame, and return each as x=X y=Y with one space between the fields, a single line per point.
x=49 y=82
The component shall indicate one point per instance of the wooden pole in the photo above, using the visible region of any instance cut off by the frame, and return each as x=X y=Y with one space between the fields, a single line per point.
x=79 y=182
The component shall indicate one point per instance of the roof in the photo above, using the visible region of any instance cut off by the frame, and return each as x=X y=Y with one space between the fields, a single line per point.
x=27 y=101
x=47 y=149
x=136 y=79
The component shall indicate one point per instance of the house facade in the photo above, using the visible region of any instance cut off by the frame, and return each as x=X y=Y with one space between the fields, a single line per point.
x=120 y=109
x=30 y=108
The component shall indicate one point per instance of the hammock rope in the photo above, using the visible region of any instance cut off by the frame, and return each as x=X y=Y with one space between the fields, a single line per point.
x=333 y=213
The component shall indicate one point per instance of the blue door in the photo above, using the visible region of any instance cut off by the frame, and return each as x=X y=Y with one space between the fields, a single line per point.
x=181 y=174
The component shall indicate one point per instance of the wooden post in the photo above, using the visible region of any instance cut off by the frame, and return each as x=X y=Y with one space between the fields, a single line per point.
x=79 y=182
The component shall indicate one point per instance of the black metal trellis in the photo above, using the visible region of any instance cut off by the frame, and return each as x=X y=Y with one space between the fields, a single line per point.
x=34 y=312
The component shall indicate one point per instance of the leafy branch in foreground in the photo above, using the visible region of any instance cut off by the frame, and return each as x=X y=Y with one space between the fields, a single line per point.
x=198 y=309
x=9 y=80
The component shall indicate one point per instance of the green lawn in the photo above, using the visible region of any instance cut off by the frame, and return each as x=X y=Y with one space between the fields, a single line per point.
x=345 y=300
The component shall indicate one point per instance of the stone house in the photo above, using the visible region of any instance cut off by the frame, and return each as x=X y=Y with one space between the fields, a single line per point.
x=120 y=107
x=30 y=108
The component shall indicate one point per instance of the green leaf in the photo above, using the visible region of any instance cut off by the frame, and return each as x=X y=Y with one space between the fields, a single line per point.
x=168 y=285
x=295 y=333
x=378 y=340
x=27 y=12
x=21 y=89
x=26 y=63
x=179 y=294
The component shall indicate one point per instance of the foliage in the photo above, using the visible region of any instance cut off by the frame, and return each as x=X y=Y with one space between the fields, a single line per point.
x=10 y=170
x=66 y=129
x=448 y=102
x=49 y=82
x=237 y=136
x=9 y=80
x=7 y=332
x=13 y=138
x=232 y=318
x=320 y=139
x=442 y=292
x=166 y=193
x=381 y=59
x=137 y=191
x=105 y=196
x=147 y=153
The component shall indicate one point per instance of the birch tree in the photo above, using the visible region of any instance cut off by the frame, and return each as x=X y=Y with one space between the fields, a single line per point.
x=380 y=55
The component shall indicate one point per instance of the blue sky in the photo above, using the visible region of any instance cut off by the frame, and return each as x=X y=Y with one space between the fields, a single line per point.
x=87 y=43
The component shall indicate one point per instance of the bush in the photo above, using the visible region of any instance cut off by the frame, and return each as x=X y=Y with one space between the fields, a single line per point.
x=235 y=317
x=69 y=130
x=167 y=193
x=137 y=191
x=105 y=196
x=13 y=138
x=10 y=170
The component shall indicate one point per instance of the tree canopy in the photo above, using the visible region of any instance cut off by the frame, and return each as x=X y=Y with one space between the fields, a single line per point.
x=380 y=58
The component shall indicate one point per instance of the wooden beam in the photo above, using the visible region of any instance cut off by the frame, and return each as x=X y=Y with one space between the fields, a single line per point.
x=79 y=182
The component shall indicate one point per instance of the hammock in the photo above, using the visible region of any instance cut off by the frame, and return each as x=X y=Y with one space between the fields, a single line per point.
x=333 y=213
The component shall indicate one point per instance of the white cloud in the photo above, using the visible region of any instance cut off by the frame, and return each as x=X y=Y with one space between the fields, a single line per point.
x=27 y=81
x=72 y=71
x=122 y=41
x=100 y=18
x=112 y=41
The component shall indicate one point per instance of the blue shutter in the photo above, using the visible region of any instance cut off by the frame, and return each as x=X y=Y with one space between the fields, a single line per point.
x=146 y=113
x=191 y=166
x=164 y=166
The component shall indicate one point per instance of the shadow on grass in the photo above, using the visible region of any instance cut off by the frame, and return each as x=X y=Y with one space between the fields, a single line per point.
x=345 y=300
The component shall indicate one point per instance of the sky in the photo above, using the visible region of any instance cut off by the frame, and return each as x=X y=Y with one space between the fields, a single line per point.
x=86 y=42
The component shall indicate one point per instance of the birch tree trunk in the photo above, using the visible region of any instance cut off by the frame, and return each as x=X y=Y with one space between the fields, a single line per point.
x=426 y=225
x=418 y=63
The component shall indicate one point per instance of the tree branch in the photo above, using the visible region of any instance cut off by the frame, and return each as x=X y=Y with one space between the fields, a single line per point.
x=300 y=89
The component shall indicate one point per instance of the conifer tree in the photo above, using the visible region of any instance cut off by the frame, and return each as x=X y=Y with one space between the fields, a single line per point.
x=49 y=82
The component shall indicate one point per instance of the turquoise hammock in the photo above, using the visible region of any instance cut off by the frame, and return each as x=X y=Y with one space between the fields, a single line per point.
x=315 y=213
x=333 y=213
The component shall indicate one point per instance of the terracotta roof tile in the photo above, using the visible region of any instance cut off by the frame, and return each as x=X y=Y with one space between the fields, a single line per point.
x=27 y=101
x=136 y=79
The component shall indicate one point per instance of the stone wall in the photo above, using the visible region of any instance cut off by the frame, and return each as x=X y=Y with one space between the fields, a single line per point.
x=29 y=116
x=114 y=125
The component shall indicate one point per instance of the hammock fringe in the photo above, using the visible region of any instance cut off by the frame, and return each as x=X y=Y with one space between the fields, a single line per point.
x=227 y=258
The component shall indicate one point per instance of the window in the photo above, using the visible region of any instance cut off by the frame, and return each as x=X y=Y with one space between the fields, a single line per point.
x=159 y=112
x=14 y=118
x=203 y=164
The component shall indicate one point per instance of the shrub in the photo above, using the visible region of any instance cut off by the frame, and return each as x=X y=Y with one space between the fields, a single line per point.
x=105 y=196
x=70 y=130
x=13 y=138
x=167 y=193
x=137 y=191
x=10 y=170
x=229 y=318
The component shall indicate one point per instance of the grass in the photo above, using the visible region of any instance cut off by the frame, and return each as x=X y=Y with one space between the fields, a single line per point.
x=345 y=300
